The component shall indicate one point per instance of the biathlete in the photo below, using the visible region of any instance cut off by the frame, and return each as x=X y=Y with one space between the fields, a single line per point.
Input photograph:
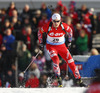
x=57 y=32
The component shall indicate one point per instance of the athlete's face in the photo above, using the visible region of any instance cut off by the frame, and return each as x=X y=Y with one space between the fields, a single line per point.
x=56 y=23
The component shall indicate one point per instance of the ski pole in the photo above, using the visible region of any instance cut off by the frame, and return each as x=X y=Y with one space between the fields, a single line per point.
x=31 y=62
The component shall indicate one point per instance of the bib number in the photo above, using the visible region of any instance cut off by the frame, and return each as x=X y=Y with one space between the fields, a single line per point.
x=55 y=40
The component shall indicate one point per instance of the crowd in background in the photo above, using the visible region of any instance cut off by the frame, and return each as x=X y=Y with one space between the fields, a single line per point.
x=18 y=38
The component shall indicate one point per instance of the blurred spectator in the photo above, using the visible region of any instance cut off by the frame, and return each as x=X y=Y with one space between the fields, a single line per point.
x=82 y=43
x=64 y=11
x=24 y=57
x=93 y=19
x=87 y=25
x=68 y=20
x=15 y=13
x=43 y=21
x=3 y=72
x=28 y=39
x=59 y=5
x=3 y=60
x=61 y=9
x=34 y=70
x=7 y=85
x=77 y=30
x=74 y=15
x=13 y=68
x=24 y=26
x=10 y=79
x=32 y=82
x=8 y=40
x=26 y=12
x=17 y=16
x=94 y=51
x=43 y=81
x=45 y=9
x=34 y=26
x=72 y=3
x=23 y=32
x=82 y=11
x=26 y=22
x=34 y=23
x=5 y=26
x=13 y=22
x=40 y=61
x=16 y=26
x=21 y=80
x=38 y=16
x=3 y=63
x=11 y=8
x=3 y=16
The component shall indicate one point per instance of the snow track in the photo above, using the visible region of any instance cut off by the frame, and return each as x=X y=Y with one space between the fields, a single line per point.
x=44 y=90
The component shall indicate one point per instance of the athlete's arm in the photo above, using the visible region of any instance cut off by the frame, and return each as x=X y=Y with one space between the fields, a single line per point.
x=69 y=32
x=41 y=31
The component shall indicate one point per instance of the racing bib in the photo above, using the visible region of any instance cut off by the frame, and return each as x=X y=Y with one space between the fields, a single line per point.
x=55 y=40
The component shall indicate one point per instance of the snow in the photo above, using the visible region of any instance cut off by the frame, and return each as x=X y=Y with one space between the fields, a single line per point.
x=44 y=90
x=66 y=89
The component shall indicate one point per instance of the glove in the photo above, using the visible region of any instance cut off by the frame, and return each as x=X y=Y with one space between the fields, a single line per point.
x=68 y=45
x=41 y=47
x=80 y=83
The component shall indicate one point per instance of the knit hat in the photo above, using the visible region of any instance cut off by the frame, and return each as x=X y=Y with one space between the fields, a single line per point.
x=56 y=16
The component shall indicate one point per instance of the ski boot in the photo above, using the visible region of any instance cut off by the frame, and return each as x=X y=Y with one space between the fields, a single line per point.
x=59 y=79
x=80 y=83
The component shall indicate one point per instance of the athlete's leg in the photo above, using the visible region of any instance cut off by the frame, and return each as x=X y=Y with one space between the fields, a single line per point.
x=65 y=54
x=54 y=56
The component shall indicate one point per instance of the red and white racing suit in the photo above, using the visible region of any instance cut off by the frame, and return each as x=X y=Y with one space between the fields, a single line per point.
x=55 y=44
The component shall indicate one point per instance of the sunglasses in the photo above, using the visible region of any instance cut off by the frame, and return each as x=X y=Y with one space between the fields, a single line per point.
x=56 y=21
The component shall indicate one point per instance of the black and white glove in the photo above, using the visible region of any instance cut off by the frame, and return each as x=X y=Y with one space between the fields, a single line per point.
x=41 y=47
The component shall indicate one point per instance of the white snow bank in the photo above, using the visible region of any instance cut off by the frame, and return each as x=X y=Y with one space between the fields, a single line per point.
x=43 y=90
